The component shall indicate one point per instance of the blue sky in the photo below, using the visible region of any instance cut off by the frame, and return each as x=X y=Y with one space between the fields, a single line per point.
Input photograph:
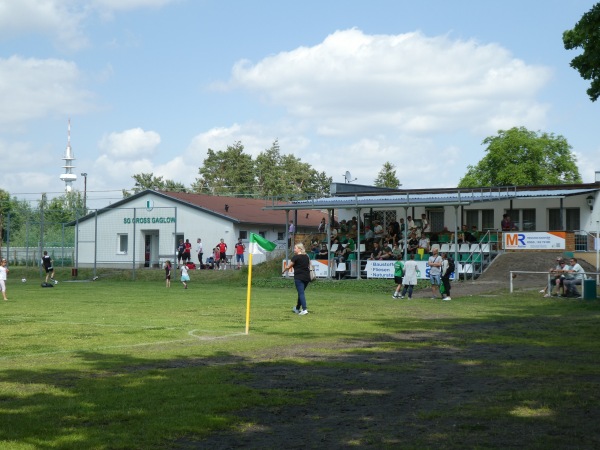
x=151 y=85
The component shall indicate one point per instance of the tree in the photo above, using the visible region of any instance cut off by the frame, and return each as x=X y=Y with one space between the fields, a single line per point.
x=387 y=177
x=521 y=157
x=145 y=181
x=229 y=172
x=586 y=35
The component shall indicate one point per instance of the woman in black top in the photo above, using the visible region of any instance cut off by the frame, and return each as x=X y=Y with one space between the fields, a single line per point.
x=301 y=264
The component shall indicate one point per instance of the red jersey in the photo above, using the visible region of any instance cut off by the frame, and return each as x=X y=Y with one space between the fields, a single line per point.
x=222 y=247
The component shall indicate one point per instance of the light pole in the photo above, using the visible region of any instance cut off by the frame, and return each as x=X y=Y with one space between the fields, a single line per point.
x=84 y=175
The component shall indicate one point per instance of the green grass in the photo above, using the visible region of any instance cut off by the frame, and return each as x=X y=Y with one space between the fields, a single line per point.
x=130 y=364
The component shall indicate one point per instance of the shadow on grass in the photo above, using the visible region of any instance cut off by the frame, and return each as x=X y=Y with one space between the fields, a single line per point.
x=513 y=379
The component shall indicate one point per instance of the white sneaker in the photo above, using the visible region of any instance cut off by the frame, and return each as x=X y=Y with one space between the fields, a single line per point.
x=402 y=296
x=542 y=291
x=296 y=310
x=303 y=312
x=446 y=298
x=394 y=295
x=547 y=295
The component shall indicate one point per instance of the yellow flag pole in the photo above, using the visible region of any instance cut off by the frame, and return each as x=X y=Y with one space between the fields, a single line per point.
x=249 y=293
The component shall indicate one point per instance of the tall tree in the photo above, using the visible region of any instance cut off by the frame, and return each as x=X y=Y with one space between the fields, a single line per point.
x=523 y=158
x=229 y=172
x=387 y=177
x=586 y=35
x=145 y=181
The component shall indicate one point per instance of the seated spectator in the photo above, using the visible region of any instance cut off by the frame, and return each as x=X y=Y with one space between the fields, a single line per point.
x=314 y=249
x=396 y=251
x=323 y=253
x=386 y=252
x=352 y=233
x=351 y=244
x=413 y=244
x=334 y=233
x=342 y=254
x=410 y=223
x=343 y=227
x=376 y=252
x=424 y=243
x=474 y=232
x=574 y=277
x=392 y=234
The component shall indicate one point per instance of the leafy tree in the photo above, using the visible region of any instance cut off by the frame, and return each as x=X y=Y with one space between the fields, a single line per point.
x=145 y=181
x=586 y=35
x=387 y=177
x=286 y=176
x=523 y=158
x=229 y=172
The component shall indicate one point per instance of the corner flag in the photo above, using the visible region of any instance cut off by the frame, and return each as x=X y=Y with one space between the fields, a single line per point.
x=259 y=245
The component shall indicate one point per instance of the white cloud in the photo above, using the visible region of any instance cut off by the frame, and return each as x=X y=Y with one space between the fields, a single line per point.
x=130 y=144
x=353 y=82
x=33 y=88
x=62 y=20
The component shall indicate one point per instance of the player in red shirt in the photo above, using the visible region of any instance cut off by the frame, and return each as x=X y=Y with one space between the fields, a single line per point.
x=222 y=246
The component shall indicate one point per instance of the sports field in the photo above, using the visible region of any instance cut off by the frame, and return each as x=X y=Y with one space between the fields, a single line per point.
x=119 y=364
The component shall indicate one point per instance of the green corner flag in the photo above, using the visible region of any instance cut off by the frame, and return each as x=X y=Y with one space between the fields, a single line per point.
x=259 y=245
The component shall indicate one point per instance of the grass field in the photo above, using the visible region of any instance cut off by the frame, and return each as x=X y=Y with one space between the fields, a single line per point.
x=119 y=364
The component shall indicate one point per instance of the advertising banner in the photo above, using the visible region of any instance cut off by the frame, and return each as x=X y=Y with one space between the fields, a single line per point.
x=550 y=240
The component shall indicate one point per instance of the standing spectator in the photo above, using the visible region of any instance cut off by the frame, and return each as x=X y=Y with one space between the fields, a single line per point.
x=168 y=273
x=410 y=277
x=301 y=264
x=424 y=224
x=507 y=224
x=184 y=276
x=239 y=253
x=448 y=267
x=180 y=249
x=410 y=224
x=291 y=231
x=47 y=263
x=217 y=258
x=187 y=251
x=435 y=271
x=3 y=277
x=222 y=246
x=398 y=274
x=574 y=277
x=369 y=236
x=199 y=252
x=322 y=226
x=377 y=231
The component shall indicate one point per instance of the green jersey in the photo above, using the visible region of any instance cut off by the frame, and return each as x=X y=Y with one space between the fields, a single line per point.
x=398 y=269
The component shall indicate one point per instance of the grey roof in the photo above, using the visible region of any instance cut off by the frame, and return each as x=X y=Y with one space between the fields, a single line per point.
x=441 y=197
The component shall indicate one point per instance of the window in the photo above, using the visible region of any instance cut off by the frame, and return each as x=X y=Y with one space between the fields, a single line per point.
x=243 y=234
x=524 y=219
x=487 y=219
x=436 y=220
x=280 y=236
x=123 y=242
x=571 y=214
x=472 y=217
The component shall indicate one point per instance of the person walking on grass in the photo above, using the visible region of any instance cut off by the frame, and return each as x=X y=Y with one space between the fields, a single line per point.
x=410 y=276
x=168 y=273
x=184 y=276
x=398 y=274
x=3 y=277
x=301 y=264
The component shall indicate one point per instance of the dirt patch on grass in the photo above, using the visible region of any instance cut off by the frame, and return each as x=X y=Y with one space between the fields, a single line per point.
x=454 y=394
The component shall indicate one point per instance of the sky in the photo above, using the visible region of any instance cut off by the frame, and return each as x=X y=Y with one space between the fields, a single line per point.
x=345 y=85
